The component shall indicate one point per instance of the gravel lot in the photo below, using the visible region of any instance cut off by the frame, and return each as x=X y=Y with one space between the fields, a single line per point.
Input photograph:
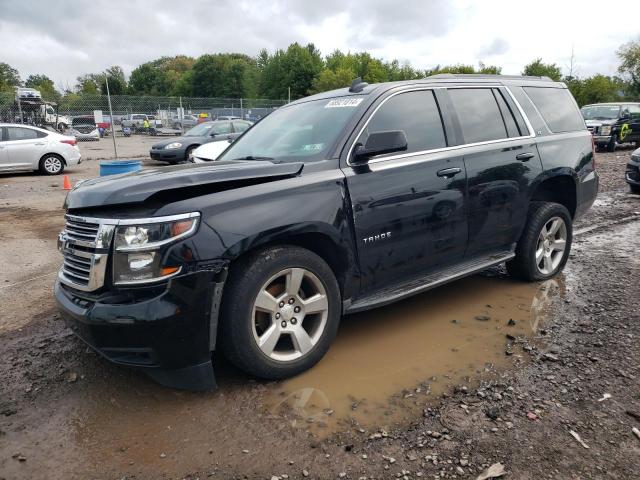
x=454 y=388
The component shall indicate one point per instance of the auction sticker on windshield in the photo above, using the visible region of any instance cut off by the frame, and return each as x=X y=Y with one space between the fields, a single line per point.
x=343 y=102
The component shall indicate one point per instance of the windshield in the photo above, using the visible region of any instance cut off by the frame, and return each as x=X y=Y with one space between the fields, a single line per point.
x=201 y=130
x=600 y=112
x=304 y=131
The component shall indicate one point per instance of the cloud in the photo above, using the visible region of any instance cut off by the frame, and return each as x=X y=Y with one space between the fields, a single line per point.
x=498 y=46
x=80 y=36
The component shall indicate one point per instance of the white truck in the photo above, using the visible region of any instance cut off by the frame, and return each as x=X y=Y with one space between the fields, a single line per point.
x=30 y=108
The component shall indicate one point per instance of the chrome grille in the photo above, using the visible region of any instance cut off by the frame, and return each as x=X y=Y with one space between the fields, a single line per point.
x=84 y=244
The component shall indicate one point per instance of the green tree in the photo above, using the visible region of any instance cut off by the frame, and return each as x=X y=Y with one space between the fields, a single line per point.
x=461 y=68
x=596 y=89
x=44 y=84
x=87 y=84
x=231 y=75
x=296 y=67
x=539 y=69
x=629 y=55
x=163 y=76
x=9 y=78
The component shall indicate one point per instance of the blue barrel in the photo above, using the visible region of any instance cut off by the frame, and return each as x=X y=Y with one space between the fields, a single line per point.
x=115 y=167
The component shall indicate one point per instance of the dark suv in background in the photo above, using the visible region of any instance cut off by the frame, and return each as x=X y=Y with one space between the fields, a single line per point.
x=613 y=123
x=333 y=204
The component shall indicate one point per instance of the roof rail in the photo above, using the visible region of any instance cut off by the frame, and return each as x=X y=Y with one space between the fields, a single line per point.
x=489 y=76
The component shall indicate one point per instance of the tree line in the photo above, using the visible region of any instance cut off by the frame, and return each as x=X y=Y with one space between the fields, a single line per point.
x=300 y=70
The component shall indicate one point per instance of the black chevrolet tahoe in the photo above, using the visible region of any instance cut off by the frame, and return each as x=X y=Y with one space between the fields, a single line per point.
x=333 y=204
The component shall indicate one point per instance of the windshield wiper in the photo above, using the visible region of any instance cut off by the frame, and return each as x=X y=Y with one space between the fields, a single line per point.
x=252 y=157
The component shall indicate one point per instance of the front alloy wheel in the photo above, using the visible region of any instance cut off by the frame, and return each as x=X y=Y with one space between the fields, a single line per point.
x=280 y=311
x=289 y=314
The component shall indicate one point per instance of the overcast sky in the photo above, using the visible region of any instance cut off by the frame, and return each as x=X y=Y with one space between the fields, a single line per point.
x=65 y=38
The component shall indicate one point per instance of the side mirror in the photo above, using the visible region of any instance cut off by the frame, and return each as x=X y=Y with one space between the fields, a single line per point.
x=212 y=134
x=380 y=143
x=624 y=114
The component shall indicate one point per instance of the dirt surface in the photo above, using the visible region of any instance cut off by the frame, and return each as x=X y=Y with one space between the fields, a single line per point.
x=441 y=385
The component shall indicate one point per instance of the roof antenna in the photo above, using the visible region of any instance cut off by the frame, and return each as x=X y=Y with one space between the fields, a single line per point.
x=357 y=85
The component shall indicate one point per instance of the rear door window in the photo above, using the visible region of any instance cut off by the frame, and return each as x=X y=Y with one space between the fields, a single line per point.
x=19 y=133
x=415 y=113
x=221 y=128
x=634 y=111
x=240 y=126
x=557 y=107
x=479 y=115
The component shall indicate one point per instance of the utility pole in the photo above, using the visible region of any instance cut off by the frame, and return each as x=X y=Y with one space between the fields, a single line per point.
x=113 y=125
x=289 y=89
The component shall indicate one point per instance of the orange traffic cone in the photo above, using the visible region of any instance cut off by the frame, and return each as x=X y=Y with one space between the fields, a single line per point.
x=66 y=184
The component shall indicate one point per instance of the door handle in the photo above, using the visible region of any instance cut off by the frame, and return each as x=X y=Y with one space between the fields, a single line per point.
x=449 y=172
x=525 y=157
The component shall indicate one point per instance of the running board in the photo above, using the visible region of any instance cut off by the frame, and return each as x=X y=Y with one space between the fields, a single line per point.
x=427 y=282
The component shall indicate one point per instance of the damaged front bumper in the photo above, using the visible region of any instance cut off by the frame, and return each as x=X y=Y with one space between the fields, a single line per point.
x=168 y=332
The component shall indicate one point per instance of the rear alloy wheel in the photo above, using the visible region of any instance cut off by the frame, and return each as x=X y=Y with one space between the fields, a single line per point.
x=552 y=243
x=543 y=248
x=51 y=165
x=280 y=312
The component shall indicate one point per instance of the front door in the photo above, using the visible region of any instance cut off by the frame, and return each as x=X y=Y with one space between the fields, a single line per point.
x=631 y=133
x=408 y=208
x=4 y=152
x=24 y=147
x=501 y=160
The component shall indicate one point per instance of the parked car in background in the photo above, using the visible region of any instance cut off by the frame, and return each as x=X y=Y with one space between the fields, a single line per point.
x=333 y=204
x=135 y=122
x=24 y=147
x=227 y=117
x=84 y=128
x=176 y=150
x=613 y=123
x=187 y=121
x=208 y=152
x=632 y=174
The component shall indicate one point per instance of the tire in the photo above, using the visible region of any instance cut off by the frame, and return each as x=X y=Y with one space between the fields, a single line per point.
x=611 y=146
x=634 y=189
x=549 y=260
x=256 y=302
x=51 y=164
x=188 y=151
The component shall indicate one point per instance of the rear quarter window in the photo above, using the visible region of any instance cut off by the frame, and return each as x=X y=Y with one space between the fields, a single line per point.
x=557 y=107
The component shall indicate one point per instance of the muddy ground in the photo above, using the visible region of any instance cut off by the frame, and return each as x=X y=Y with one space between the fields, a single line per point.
x=441 y=385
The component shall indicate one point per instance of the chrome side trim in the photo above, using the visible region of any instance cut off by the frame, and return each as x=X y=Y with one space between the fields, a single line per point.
x=360 y=306
x=443 y=149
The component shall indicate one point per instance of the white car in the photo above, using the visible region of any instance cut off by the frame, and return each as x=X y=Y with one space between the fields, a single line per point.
x=23 y=147
x=208 y=152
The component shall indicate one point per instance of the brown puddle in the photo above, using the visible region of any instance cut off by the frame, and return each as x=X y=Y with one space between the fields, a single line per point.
x=387 y=363
x=383 y=361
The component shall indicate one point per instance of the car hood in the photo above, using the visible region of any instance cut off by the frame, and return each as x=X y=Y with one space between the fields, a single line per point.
x=183 y=140
x=137 y=187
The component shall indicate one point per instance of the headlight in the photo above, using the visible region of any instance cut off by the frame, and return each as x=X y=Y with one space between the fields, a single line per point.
x=173 y=145
x=605 y=130
x=139 y=255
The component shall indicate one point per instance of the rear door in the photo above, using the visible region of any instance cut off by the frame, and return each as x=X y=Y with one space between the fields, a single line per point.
x=502 y=162
x=25 y=146
x=408 y=207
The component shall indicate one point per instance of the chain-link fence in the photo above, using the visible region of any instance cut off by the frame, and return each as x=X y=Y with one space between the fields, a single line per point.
x=162 y=113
